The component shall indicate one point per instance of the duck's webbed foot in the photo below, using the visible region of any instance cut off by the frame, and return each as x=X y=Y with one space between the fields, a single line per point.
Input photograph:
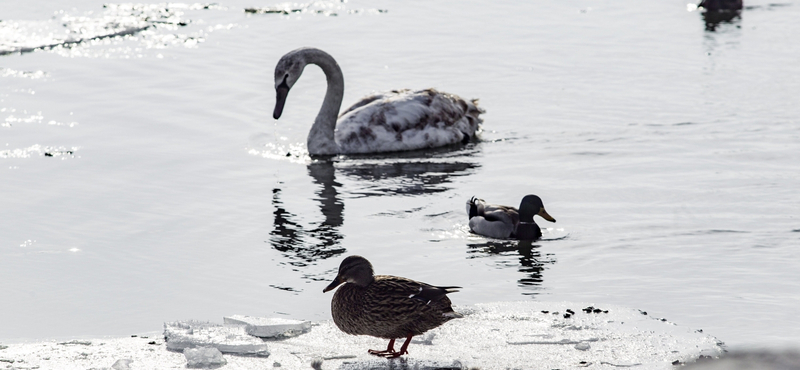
x=388 y=353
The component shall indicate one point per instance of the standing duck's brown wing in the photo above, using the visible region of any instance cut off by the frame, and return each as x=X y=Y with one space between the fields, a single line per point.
x=395 y=307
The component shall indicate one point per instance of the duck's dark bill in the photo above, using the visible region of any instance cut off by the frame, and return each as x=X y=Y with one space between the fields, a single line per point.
x=546 y=216
x=281 y=92
x=332 y=285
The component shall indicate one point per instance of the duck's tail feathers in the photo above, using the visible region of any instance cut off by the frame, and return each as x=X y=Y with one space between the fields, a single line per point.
x=450 y=289
x=452 y=315
x=428 y=293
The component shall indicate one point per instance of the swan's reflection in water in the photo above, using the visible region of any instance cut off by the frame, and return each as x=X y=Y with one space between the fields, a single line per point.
x=404 y=178
x=523 y=255
x=407 y=174
x=302 y=247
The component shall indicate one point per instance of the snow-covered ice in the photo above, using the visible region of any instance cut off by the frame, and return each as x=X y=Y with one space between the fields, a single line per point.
x=272 y=327
x=517 y=335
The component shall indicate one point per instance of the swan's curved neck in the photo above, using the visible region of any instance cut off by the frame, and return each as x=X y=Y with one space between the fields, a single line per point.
x=320 y=138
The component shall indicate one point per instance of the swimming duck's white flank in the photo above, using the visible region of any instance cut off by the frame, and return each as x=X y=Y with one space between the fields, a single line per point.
x=504 y=222
x=397 y=120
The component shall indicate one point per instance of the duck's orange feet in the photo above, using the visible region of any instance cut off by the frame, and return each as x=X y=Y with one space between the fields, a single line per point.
x=390 y=352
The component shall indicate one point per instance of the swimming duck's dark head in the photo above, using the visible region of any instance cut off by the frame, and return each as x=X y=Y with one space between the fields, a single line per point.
x=354 y=269
x=532 y=205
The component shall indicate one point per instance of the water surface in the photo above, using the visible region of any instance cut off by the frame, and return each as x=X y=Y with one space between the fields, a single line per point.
x=144 y=179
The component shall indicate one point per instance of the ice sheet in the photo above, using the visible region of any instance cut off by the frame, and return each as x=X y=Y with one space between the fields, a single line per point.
x=490 y=336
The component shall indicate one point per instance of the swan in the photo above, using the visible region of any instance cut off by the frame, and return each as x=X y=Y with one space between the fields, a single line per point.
x=397 y=120
x=504 y=222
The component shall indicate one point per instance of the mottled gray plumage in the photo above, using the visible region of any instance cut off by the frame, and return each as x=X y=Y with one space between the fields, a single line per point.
x=386 y=306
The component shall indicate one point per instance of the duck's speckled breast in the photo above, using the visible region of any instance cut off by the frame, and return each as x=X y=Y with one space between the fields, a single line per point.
x=347 y=308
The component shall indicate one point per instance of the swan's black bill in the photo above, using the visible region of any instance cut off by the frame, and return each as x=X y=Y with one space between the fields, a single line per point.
x=281 y=92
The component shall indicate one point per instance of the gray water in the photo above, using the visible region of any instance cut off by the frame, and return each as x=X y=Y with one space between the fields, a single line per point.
x=143 y=178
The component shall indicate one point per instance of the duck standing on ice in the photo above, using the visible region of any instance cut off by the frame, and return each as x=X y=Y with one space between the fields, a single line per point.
x=397 y=120
x=386 y=306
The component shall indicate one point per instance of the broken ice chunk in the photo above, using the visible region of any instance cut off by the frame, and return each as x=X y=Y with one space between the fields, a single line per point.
x=227 y=339
x=582 y=346
x=122 y=364
x=272 y=327
x=203 y=358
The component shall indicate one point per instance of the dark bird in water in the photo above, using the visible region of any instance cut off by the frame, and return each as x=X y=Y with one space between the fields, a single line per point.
x=504 y=222
x=721 y=5
x=720 y=11
x=386 y=306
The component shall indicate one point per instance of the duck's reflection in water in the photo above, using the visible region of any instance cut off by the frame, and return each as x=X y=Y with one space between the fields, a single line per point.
x=302 y=246
x=523 y=255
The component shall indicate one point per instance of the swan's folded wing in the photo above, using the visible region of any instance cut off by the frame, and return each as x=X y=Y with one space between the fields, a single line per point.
x=405 y=120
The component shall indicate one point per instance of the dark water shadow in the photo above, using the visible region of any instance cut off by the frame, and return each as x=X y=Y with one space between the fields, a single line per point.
x=529 y=259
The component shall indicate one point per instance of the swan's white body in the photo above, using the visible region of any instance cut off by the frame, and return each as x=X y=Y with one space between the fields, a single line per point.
x=397 y=120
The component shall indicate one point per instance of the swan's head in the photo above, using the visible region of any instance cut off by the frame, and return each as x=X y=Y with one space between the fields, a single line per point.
x=287 y=72
x=532 y=205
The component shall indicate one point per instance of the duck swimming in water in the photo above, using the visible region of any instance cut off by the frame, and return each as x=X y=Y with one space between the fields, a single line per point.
x=504 y=222
x=397 y=120
x=386 y=306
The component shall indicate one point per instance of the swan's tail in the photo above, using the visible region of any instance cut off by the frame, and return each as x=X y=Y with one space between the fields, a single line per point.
x=475 y=108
